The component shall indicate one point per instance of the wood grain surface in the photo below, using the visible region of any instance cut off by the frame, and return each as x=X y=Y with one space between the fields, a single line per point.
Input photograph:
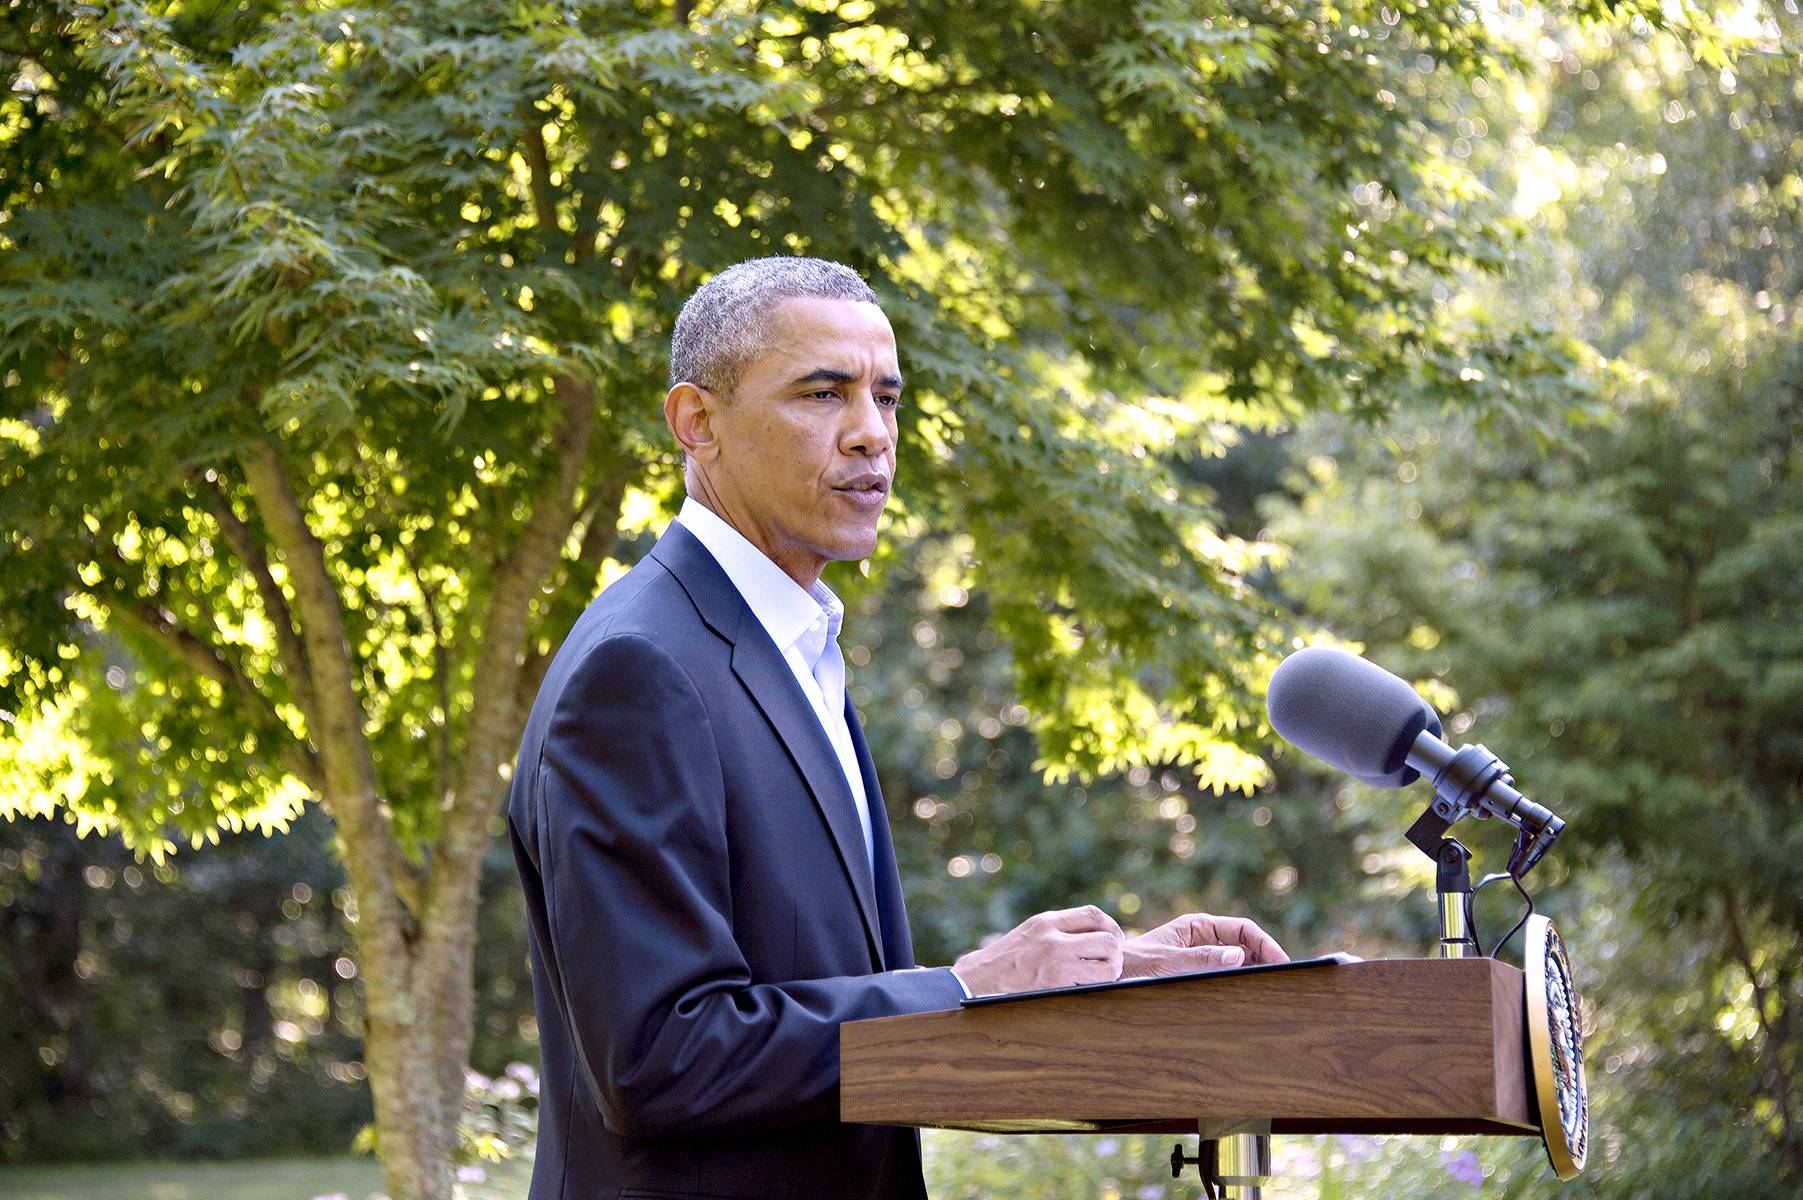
x=1398 y=1046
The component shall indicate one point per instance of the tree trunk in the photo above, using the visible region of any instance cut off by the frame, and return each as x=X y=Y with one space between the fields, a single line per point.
x=447 y=934
x=454 y=1025
x=416 y=946
x=399 y=1054
x=398 y=1049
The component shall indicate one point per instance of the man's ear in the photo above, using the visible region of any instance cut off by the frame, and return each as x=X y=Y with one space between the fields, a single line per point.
x=689 y=411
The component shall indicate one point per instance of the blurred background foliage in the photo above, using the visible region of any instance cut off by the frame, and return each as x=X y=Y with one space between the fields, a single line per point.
x=1588 y=558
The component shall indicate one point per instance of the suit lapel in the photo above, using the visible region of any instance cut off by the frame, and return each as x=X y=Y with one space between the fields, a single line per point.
x=898 y=942
x=771 y=684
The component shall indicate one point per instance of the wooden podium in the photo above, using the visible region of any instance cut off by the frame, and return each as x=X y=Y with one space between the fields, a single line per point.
x=1424 y=1046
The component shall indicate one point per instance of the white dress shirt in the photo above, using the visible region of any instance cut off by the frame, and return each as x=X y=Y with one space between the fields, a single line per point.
x=804 y=624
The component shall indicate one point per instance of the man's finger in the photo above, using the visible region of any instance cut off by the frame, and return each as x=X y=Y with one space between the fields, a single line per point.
x=1102 y=947
x=1092 y=972
x=1084 y=919
x=1180 y=960
x=1260 y=946
x=1204 y=929
x=1143 y=960
x=1211 y=958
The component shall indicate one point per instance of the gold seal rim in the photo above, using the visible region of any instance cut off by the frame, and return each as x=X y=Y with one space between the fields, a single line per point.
x=1566 y=1163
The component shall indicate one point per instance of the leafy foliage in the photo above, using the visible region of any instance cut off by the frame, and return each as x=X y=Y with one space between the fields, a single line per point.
x=380 y=235
x=1621 y=617
x=208 y=1008
x=191 y=1010
x=1621 y=612
x=331 y=337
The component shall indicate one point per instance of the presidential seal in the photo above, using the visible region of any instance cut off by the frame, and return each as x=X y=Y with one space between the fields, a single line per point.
x=1556 y=1048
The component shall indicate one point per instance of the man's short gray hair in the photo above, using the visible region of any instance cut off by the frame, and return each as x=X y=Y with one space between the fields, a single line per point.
x=722 y=327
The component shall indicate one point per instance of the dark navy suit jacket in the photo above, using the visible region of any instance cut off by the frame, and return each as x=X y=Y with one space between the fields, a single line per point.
x=702 y=912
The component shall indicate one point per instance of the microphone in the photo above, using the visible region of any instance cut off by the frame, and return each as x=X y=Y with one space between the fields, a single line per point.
x=1356 y=716
x=1350 y=714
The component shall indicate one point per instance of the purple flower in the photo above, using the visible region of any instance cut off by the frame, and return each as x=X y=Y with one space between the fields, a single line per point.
x=471 y=1174
x=1463 y=1166
x=526 y=1075
x=1294 y=1160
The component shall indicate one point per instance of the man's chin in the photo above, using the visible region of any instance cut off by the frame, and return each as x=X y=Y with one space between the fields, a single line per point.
x=853 y=547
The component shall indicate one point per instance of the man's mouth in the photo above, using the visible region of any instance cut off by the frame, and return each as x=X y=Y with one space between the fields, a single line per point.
x=869 y=491
x=864 y=484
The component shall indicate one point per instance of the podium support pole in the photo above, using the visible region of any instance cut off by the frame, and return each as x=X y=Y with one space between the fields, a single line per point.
x=1243 y=1165
x=1233 y=1158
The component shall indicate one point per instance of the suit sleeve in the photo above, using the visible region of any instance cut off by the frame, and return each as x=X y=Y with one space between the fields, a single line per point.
x=669 y=1030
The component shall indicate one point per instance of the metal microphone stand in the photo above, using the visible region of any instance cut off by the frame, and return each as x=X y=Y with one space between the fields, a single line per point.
x=1452 y=883
x=1472 y=781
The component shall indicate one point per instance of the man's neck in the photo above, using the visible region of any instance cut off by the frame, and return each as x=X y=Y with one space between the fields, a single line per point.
x=804 y=568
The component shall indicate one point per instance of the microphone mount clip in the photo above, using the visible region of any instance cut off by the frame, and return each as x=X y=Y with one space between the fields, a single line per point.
x=1452 y=882
x=1471 y=781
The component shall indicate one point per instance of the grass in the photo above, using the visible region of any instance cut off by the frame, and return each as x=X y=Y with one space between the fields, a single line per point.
x=257 y=1179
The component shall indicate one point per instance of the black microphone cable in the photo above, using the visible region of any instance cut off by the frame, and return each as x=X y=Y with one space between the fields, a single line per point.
x=1471 y=911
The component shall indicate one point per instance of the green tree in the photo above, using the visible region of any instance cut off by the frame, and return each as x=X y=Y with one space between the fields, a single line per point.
x=1619 y=618
x=984 y=842
x=195 y=1008
x=331 y=338
x=1612 y=604
x=205 y=1006
x=1620 y=609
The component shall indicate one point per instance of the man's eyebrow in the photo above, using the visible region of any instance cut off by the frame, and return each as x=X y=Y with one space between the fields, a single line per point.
x=824 y=375
x=838 y=375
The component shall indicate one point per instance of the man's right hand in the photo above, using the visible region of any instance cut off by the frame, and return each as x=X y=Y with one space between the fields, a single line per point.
x=1047 y=950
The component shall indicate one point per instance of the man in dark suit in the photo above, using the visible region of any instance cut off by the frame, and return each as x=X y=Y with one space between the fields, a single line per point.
x=708 y=870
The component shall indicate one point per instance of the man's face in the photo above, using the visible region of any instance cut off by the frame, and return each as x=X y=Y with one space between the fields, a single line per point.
x=807 y=439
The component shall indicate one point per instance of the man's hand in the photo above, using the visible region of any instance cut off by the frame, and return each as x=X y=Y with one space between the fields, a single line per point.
x=1049 y=950
x=1198 y=942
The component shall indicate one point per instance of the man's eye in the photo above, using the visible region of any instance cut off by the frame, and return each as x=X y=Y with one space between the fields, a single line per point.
x=824 y=395
x=889 y=401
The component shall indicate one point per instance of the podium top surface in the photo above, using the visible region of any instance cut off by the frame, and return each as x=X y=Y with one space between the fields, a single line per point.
x=1325 y=960
x=1391 y=1046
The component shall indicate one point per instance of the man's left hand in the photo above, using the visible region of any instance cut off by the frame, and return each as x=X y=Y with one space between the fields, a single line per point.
x=1198 y=942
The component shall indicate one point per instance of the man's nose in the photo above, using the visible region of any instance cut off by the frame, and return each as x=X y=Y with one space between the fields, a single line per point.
x=866 y=429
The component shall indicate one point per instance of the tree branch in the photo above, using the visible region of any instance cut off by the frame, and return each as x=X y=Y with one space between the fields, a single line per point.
x=533 y=555
x=865 y=102
x=441 y=670
x=629 y=267
x=204 y=658
x=1773 y=1049
x=366 y=829
x=600 y=537
x=492 y=730
x=544 y=197
x=538 y=161
x=445 y=961
x=249 y=549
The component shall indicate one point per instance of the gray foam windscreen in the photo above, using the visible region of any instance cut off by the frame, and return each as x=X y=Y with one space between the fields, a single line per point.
x=1350 y=714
